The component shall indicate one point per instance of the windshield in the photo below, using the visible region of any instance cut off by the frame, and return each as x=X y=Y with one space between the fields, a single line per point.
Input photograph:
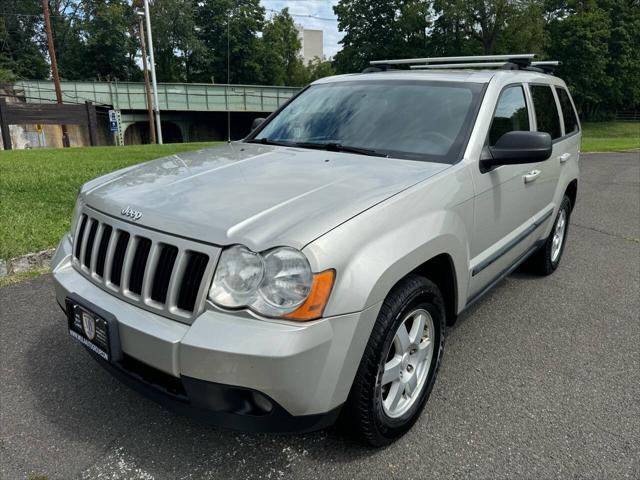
x=413 y=119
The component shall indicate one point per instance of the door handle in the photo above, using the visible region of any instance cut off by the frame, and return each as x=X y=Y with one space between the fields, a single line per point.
x=531 y=176
x=564 y=157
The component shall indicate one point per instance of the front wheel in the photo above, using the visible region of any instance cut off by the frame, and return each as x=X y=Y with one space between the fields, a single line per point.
x=399 y=365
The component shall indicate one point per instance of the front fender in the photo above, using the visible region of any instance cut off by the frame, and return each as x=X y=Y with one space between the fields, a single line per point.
x=376 y=249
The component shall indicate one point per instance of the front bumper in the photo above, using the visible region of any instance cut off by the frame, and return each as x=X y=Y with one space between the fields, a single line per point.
x=242 y=373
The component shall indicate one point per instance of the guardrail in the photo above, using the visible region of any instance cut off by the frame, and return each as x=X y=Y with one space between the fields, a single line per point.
x=202 y=97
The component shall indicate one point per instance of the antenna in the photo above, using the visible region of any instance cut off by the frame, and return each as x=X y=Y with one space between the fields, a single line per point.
x=228 y=78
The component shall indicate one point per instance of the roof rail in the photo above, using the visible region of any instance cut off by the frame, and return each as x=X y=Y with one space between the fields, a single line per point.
x=471 y=58
x=521 y=61
x=542 y=64
x=458 y=65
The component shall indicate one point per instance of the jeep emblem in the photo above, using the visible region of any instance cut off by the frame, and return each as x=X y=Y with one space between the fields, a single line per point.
x=131 y=213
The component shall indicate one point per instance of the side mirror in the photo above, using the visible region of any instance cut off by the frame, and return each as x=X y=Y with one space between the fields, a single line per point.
x=257 y=122
x=517 y=147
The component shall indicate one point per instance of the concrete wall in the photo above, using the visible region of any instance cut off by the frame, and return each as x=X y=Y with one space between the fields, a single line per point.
x=50 y=136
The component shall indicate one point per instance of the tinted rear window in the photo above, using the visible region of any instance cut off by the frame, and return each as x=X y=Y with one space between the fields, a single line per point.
x=546 y=110
x=568 y=113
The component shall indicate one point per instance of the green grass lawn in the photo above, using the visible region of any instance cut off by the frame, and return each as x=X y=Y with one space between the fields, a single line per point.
x=610 y=136
x=38 y=188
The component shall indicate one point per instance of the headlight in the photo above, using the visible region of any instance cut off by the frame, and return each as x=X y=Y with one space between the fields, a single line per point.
x=276 y=283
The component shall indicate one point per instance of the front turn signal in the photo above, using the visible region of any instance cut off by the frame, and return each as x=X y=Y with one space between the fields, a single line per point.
x=313 y=306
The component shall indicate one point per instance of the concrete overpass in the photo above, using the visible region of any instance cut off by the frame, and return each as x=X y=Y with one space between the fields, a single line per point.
x=189 y=111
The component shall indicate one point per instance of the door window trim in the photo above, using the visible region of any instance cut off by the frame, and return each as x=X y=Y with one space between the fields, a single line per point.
x=574 y=112
x=558 y=110
x=529 y=106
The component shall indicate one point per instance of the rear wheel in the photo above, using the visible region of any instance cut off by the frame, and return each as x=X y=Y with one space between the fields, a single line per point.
x=399 y=365
x=547 y=258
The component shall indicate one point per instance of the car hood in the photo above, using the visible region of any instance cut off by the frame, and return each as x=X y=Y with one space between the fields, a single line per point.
x=257 y=195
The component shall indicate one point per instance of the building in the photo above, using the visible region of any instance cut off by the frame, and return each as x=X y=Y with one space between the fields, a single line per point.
x=311 y=44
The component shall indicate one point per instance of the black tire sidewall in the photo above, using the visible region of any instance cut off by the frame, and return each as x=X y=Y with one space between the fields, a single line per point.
x=566 y=206
x=419 y=298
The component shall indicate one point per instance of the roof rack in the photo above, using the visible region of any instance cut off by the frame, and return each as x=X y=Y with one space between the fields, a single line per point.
x=521 y=61
x=472 y=58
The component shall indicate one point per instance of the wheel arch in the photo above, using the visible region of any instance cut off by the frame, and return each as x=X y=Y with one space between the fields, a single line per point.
x=441 y=270
x=366 y=273
x=572 y=192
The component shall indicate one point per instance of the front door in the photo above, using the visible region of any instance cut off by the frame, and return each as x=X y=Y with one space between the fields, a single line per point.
x=505 y=199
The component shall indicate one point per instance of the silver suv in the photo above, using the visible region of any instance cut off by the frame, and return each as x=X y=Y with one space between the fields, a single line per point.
x=306 y=273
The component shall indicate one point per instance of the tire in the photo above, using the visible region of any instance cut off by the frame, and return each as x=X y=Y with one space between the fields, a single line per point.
x=545 y=260
x=369 y=413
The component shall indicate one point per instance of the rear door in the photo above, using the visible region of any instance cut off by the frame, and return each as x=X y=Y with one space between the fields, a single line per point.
x=547 y=119
x=569 y=144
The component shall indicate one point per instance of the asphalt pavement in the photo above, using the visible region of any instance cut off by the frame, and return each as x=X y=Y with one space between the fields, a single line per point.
x=540 y=380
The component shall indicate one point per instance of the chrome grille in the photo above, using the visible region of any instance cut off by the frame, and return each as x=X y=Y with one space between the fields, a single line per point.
x=159 y=272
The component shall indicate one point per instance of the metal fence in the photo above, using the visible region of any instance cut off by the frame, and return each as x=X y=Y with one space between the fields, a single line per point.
x=628 y=116
x=202 y=97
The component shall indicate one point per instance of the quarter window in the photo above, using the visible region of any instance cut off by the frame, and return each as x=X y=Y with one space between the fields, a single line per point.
x=546 y=110
x=511 y=113
x=568 y=113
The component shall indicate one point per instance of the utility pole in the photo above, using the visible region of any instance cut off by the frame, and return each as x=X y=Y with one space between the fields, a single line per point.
x=147 y=87
x=153 y=71
x=54 y=65
x=228 y=78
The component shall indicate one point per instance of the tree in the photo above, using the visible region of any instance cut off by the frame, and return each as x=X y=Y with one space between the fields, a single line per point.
x=317 y=69
x=580 y=41
x=243 y=19
x=178 y=47
x=22 y=43
x=623 y=66
x=477 y=25
x=95 y=39
x=526 y=31
x=280 y=51
x=380 y=29
x=597 y=44
x=110 y=46
x=67 y=22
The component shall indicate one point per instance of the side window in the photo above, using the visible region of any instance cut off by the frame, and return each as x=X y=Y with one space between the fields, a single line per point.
x=568 y=113
x=546 y=111
x=511 y=113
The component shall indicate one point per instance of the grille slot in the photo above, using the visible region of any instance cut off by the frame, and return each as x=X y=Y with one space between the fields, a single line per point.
x=139 y=263
x=93 y=229
x=102 y=250
x=118 y=258
x=164 y=268
x=155 y=271
x=80 y=235
x=191 y=280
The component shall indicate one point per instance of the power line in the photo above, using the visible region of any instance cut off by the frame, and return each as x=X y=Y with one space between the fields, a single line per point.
x=303 y=15
x=38 y=15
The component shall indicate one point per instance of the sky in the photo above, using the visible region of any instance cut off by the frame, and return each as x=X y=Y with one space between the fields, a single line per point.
x=312 y=14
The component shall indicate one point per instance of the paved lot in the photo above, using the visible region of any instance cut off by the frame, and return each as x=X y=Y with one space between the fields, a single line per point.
x=540 y=380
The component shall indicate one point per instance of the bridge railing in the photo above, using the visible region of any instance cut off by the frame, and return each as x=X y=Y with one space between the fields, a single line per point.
x=201 y=97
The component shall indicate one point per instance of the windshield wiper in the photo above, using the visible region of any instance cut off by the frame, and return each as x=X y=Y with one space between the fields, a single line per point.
x=266 y=141
x=338 y=147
